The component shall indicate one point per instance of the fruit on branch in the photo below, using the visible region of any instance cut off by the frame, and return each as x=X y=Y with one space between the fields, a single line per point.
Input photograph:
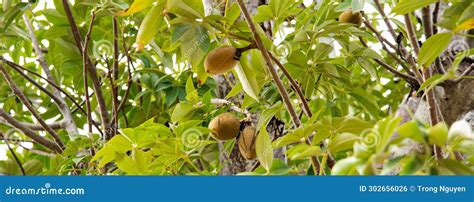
x=247 y=143
x=221 y=60
x=351 y=17
x=225 y=126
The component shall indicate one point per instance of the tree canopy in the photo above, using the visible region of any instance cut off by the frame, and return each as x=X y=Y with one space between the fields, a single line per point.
x=130 y=87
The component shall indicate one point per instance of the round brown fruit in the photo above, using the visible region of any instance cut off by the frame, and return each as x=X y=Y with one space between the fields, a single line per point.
x=225 y=126
x=221 y=60
x=351 y=17
x=247 y=143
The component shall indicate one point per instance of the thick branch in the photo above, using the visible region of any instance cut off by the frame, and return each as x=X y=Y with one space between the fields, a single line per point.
x=31 y=134
x=411 y=33
x=30 y=107
x=55 y=125
x=430 y=95
x=60 y=102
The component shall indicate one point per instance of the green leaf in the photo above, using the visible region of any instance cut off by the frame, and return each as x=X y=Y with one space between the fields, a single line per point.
x=438 y=134
x=12 y=13
x=309 y=151
x=454 y=167
x=433 y=47
x=193 y=9
x=384 y=131
x=357 y=5
x=411 y=130
x=342 y=142
x=182 y=112
x=191 y=92
x=33 y=167
x=345 y=166
x=407 y=6
x=264 y=149
x=247 y=77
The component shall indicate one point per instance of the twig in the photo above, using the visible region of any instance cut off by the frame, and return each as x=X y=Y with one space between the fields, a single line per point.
x=273 y=72
x=408 y=78
x=394 y=35
x=465 y=73
x=59 y=100
x=17 y=160
x=115 y=76
x=28 y=132
x=89 y=65
x=216 y=101
x=18 y=68
x=384 y=41
x=385 y=19
x=32 y=110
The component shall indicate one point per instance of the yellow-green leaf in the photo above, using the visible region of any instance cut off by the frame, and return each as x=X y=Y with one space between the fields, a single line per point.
x=264 y=149
x=466 y=25
x=150 y=26
x=433 y=47
x=137 y=6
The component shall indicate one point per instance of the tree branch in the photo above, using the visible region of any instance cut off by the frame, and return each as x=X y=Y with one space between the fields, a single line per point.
x=295 y=86
x=55 y=125
x=85 y=71
x=430 y=95
x=115 y=72
x=32 y=110
x=60 y=102
x=28 y=132
x=274 y=74
x=90 y=67
x=411 y=33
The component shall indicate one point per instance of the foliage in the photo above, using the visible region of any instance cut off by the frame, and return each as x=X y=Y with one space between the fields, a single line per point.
x=169 y=99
